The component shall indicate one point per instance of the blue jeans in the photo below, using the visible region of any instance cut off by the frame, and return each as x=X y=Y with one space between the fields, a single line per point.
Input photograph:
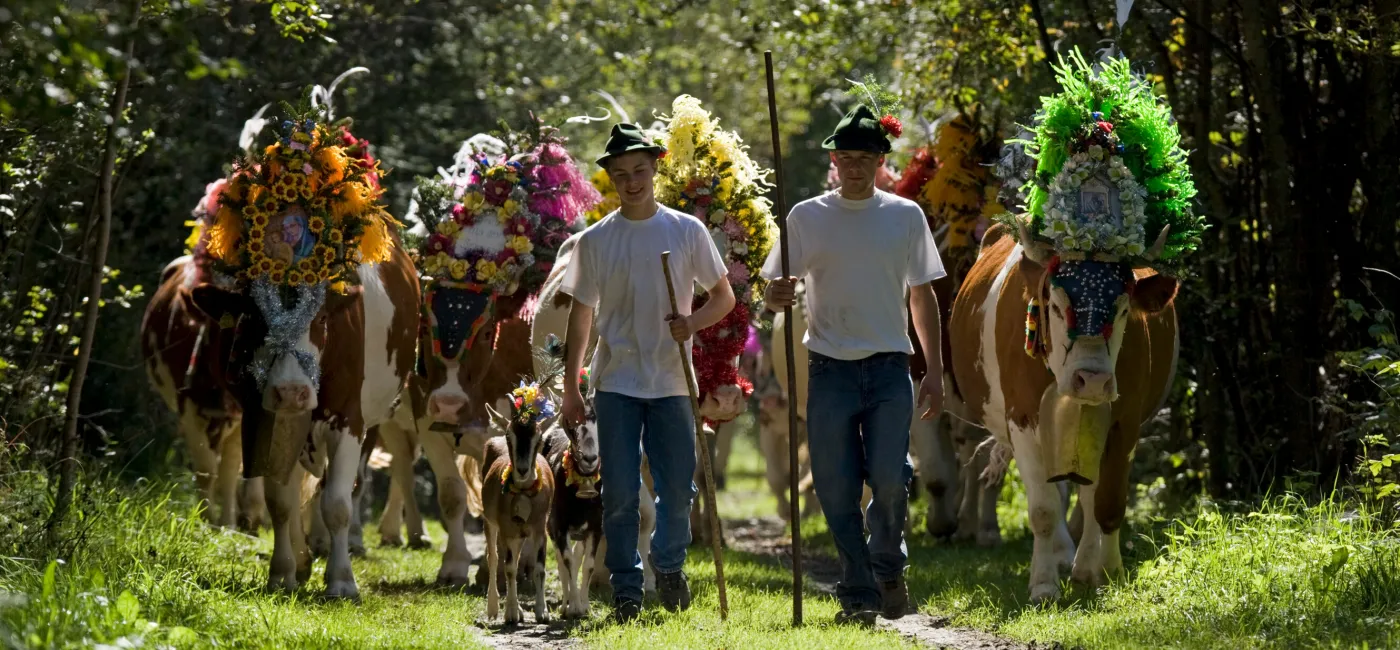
x=858 y=416
x=665 y=426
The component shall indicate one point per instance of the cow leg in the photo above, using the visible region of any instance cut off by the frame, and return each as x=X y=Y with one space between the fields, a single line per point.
x=198 y=430
x=493 y=562
x=646 y=526
x=319 y=537
x=391 y=520
x=541 y=597
x=602 y=577
x=775 y=447
x=358 y=488
x=1088 y=560
x=1111 y=496
x=970 y=467
x=938 y=470
x=230 y=470
x=289 y=554
x=252 y=505
x=452 y=501
x=1046 y=516
x=336 y=505
x=988 y=529
x=514 y=615
x=724 y=442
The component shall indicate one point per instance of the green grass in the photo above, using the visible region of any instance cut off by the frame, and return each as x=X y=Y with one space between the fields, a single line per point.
x=145 y=569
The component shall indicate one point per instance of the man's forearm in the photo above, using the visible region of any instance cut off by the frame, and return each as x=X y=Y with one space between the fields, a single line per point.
x=576 y=343
x=923 y=304
x=714 y=310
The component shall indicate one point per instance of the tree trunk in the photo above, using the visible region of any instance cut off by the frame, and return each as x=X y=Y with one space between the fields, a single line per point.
x=68 y=458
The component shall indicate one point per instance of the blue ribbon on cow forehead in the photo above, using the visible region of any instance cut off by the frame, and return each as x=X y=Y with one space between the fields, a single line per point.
x=1093 y=288
x=284 y=327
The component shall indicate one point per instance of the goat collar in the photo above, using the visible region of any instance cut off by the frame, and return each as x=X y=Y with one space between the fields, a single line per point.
x=508 y=486
x=573 y=477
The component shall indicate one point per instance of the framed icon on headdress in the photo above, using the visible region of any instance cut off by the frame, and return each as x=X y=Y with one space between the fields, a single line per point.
x=1098 y=201
x=290 y=239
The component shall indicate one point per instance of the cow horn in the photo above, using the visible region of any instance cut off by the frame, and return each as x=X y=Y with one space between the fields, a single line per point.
x=1156 y=251
x=1034 y=251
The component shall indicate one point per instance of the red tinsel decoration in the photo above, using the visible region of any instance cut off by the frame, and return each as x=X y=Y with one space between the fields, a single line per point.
x=916 y=175
x=716 y=352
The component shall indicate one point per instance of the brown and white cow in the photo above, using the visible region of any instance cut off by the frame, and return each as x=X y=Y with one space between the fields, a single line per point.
x=1105 y=380
x=184 y=355
x=313 y=371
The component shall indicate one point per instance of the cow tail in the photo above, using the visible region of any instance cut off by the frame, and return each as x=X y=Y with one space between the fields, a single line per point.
x=471 y=472
x=998 y=460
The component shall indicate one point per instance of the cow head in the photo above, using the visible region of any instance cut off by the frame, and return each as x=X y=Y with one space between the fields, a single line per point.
x=584 y=448
x=1084 y=310
x=524 y=436
x=279 y=338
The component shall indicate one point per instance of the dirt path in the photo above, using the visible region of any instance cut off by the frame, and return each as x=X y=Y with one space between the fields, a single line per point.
x=767 y=536
x=763 y=537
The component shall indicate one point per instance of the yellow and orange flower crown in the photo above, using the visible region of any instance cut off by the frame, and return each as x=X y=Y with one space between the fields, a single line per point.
x=305 y=211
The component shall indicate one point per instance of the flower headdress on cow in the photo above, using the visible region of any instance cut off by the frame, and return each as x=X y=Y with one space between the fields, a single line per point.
x=1109 y=174
x=709 y=174
x=306 y=210
x=1111 y=179
x=951 y=181
x=493 y=224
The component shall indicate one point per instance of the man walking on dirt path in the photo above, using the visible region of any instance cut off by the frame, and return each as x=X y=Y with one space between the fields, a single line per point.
x=858 y=249
x=642 y=397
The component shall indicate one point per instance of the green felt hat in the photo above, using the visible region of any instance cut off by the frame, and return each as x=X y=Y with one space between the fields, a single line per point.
x=860 y=130
x=626 y=138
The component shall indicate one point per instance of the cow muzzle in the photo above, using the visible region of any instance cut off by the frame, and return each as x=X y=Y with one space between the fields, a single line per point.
x=446 y=407
x=1093 y=387
x=290 y=398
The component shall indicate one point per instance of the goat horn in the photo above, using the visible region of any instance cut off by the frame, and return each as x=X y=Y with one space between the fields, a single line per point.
x=1157 y=246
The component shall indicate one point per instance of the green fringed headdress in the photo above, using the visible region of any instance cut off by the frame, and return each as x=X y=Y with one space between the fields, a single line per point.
x=1111 y=177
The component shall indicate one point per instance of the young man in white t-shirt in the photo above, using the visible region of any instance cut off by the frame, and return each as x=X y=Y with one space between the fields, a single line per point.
x=642 y=399
x=859 y=249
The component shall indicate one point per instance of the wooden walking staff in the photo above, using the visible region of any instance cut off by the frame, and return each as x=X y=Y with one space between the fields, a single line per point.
x=703 y=446
x=781 y=204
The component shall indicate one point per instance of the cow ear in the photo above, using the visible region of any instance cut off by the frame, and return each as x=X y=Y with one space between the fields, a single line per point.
x=338 y=302
x=220 y=305
x=1153 y=293
x=1032 y=272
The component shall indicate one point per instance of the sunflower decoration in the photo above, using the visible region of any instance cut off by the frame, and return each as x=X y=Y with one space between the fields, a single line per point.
x=610 y=201
x=1111 y=180
x=304 y=211
x=951 y=180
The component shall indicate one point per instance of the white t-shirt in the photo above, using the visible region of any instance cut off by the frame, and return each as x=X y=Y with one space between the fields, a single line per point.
x=857 y=258
x=616 y=269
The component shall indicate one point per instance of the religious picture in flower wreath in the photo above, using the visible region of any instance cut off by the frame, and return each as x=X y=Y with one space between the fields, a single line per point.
x=491 y=226
x=707 y=173
x=303 y=211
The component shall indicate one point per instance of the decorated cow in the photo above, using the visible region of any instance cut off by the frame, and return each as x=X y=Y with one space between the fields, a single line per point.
x=322 y=318
x=185 y=355
x=491 y=226
x=1064 y=331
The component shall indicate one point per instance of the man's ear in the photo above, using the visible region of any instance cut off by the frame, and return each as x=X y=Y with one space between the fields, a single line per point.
x=220 y=305
x=1153 y=293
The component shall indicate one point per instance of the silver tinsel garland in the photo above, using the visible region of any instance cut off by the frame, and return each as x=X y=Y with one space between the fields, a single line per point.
x=284 y=327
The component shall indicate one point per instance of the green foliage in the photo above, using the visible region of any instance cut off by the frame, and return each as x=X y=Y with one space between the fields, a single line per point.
x=1376 y=422
x=1147 y=131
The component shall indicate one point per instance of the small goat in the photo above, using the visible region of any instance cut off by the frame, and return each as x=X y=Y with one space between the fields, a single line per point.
x=517 y=488
x=576 y=516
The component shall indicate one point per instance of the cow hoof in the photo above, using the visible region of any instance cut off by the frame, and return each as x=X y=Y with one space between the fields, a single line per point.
x=989 y=538
x=420 y=542
x=390 y=541
x=941 y=529
x=282 y=584
x=542 y=618
x=342 y=590
x=357 y=548
x=453 y=578
x=514 y=615
x=1041 y=594
x=1087 y=577
x=320 y=547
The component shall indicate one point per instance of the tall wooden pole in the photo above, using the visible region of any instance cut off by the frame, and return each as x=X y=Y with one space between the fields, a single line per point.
x=703 y=447
x=794 y=512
